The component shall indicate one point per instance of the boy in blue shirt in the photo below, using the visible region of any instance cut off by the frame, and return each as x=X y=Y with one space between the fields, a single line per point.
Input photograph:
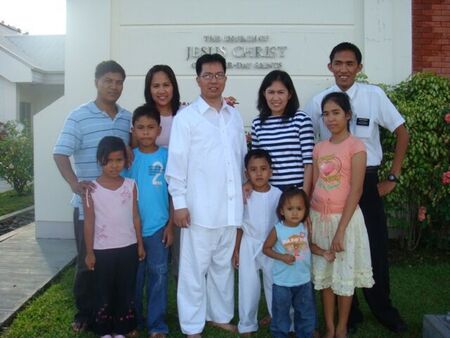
x=148 y=169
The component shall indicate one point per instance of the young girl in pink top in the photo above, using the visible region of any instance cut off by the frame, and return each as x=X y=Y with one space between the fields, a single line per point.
x=112 y=232
x=338 y=230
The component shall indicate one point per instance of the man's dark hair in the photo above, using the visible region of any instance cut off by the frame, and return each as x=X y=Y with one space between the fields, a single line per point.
x=346 y=46
x=257 y=153
x=146 y=110
x=175 y=102
x=109 y=66
x=210 y=58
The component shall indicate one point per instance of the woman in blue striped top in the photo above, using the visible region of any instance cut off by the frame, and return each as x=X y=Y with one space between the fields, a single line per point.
x=284 y=131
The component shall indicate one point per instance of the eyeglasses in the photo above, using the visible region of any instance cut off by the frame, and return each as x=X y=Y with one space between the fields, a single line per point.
x=210 y=76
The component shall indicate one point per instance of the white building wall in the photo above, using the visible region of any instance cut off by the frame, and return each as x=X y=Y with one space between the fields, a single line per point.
x=387 y=55
x=307 y=34
x=7 y=100
x=141 y=33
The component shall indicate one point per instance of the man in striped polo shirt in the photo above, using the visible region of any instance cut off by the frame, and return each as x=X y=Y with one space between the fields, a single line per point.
x=83 y=129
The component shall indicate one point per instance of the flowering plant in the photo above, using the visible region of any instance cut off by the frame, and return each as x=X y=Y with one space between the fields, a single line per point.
x=420 y=202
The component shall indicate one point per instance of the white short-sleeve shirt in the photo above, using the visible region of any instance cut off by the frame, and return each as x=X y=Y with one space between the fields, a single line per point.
x=371 y=108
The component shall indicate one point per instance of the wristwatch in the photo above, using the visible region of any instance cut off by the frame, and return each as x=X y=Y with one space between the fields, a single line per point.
x=392 y=178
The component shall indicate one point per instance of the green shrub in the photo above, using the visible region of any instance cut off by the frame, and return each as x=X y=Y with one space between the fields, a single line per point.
x=422 y=199
x=16 y=156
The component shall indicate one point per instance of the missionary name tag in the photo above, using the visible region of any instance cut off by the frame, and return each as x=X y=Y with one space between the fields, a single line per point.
x=362 y=121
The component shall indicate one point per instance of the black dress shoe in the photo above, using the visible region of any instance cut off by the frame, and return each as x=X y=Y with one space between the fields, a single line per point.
x=352 y=328
x=398 y=327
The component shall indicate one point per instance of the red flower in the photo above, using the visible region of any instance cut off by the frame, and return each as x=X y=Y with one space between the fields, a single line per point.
x=447 y=117
x=422 y=214
x=446 y=177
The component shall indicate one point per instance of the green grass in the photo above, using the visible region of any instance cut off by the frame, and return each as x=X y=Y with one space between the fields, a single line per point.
x=10 y=201
x=417 y=289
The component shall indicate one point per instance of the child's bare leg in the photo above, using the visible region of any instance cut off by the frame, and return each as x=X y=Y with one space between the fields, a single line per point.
x=344 y=305
x=329 y=299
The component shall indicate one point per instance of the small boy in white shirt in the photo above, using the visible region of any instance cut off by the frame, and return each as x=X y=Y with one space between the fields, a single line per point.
x=259 y=218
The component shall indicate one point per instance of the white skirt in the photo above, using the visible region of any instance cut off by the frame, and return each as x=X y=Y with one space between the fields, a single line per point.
x=352 y=267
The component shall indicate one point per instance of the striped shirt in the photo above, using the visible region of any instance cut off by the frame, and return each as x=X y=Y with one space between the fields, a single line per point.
x=82 y=131
x=289 y=142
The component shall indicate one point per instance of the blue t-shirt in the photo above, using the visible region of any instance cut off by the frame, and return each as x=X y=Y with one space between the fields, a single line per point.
x=148 y=171
x=294 y=241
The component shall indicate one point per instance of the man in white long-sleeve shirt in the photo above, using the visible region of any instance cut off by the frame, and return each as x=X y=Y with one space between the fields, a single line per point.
x=205 y=173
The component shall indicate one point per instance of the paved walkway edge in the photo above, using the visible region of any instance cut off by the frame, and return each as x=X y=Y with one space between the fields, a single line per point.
x=27 y=266
x=18 y=212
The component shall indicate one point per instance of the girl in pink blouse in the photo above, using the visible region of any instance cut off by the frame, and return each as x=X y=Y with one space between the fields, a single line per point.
x=338 y=230
x=112 y=232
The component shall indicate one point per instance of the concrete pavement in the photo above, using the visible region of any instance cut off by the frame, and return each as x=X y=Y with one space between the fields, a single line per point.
x=27 y=265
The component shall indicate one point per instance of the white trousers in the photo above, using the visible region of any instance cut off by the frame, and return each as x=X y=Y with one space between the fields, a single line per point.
x=206 y=277
x=251 y=260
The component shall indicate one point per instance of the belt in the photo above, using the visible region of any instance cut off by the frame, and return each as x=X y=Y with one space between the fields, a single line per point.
x=372 y=169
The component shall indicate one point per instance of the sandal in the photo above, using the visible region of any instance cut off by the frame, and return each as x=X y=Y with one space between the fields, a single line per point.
x=78 y=326
x=265 y=321
x=157 y=335
x=133 y=334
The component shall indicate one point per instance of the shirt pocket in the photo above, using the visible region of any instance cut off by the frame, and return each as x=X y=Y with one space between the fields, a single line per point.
x=363 y=126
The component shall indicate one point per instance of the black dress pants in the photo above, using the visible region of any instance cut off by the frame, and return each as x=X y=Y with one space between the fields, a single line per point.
x=377 y=297
x=83 y=288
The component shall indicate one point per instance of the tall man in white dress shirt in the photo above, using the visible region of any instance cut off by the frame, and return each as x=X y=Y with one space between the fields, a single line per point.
x=371 y=108
x=205 y=174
